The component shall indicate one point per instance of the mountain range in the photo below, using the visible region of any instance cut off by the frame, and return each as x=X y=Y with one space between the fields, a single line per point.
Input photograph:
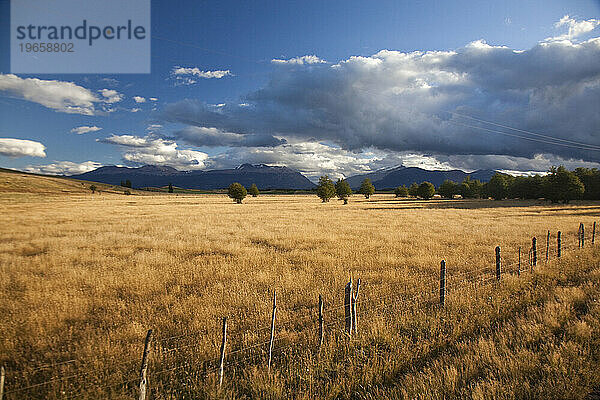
x=397 y=176
x=266 y=177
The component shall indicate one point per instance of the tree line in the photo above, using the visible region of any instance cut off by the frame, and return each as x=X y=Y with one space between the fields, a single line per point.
x=559 y=185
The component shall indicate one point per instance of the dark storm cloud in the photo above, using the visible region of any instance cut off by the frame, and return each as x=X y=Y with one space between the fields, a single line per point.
x=396 y=101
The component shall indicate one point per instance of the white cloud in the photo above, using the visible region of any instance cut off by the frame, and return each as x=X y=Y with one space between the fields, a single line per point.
x=575 y=28
x=139 y=99
x=157 y=151
x=21 y=148
x=154 y=127
x=309 y=59
x=63 y=168
x=111 y=96
x=60 y=96
x=153 y=99
x=186 y=76
x=80 y=130
x=135 y=109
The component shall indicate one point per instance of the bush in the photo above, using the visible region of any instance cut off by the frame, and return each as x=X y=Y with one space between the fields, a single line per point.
x=448 y=189
x=343 y=191
x=366 y=188
x=325 y=189
x=237 y=192
x=253 y=190
x=127 y=192
x=413 y=189
x=93 y=188
x=401 y=191
x=426 y=190
x=170 y=188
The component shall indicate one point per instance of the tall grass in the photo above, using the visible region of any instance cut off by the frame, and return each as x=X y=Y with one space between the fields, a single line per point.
x=84 y=277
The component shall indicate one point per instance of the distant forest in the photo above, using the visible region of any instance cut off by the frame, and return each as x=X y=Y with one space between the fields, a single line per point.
x=559 y=185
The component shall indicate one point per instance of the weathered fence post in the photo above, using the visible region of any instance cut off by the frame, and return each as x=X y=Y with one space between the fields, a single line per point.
x=534 y=251
x=581 y=235
x=348 y=307
x=443 y=283
x=498 y=263
x=594 y=233
x=222 y=358
x=321 y=322
x=2 y=374
x=272 y=328
x=558 y=245
x=354 y=311
x=144 y=367
x=519 y=265
x=548 y=247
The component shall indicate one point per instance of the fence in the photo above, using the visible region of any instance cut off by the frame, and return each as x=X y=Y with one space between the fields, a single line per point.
x=335 y=320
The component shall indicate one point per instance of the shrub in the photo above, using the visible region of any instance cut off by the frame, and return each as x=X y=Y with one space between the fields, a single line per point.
x=413 y=189
x=448 y=189
x=253 y=190
x=325 y=189
x=93 y=188
x=366 y=188
x=343 y=191
x=426 y=190
x=401 y=191
x=237 y=192
x=170 y=188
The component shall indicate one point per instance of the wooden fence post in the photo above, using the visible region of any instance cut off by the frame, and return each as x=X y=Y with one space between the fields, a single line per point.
x=534 y=251
x=594 y=233
x=548 y=247
x=321 y=322
x=443 y=283
x=498 y=263
x=2 y=375
x=272 y=328
x=222 y=358
x=354 y=311
x=582 y=235
x=519 y=265
x=558 y=245
x=348 y=307
x=144 y=367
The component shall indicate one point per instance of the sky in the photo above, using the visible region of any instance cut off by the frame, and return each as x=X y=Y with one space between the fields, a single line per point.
x=325 y=87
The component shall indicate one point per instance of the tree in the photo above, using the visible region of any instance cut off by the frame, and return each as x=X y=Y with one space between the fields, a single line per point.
x=401 y=191
x=413 y=189
x=325 y=189
x=170 y=188
x=93 y=188
x=253 y=190
x=497 y=187
x=237 y=192
x=426 y=190
x=470 y=189
x=591 y=181
x=448 y=189
x=343 y=191
x=366 y=188
x=128 y=183
x=563 y=185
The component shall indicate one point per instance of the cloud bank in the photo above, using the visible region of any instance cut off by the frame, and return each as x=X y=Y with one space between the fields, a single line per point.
x=21 y=148
x=154 y=150
x=410 y=103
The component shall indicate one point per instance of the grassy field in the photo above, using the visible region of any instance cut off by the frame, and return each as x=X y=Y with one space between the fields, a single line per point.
x=85 y=276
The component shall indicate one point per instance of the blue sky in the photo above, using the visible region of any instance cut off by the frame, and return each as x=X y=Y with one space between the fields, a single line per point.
x=348 y=94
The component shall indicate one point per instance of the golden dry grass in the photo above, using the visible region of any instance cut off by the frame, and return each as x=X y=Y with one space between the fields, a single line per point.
x=84 y=276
